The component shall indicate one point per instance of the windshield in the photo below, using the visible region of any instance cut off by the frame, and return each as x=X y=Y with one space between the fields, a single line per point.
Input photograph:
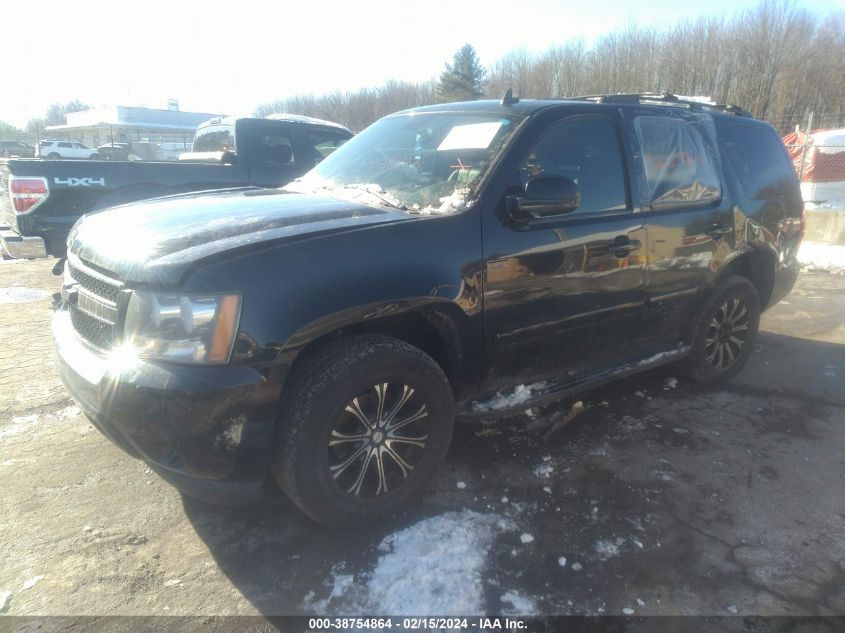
x=215 y=138
x=427 y=163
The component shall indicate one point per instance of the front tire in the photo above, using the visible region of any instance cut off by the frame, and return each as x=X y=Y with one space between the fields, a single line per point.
x=365 y=422
x=724 y=331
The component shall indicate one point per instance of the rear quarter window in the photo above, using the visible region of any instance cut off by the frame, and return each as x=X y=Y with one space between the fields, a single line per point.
x=757 y=156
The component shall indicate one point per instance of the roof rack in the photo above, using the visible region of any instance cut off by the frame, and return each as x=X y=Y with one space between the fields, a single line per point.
x=663 y=98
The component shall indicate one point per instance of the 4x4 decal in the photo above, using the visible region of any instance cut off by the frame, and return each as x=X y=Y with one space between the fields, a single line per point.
x=80 y=182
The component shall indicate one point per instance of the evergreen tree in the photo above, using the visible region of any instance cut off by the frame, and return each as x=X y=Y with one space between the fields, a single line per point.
x=464 y=78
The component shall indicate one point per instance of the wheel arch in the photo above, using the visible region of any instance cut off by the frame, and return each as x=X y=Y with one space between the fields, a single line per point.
x=435 y=327
x=756 y=265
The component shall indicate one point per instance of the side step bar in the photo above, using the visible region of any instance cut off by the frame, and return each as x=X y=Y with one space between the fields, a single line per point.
x=547 y=391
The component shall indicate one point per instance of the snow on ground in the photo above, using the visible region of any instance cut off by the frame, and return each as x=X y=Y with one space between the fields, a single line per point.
x=521 y=604
x=520 y=394
x=833 y=203
x=827 y=257
x=341 y=583
x=450 y=551
x=21 y=295
x=431 y=567
x=22 y=423
x=29 y=584
x=606 y=548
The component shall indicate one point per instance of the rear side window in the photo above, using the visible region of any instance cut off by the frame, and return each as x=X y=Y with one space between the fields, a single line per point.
x=678 y=168
x=759 y=160
x=66 y=145
x=276 y=149
x=215 y=138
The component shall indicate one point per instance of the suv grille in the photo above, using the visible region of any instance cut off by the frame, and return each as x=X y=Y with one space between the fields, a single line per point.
x=97 y=333
x=93 y=304
x=107 y=290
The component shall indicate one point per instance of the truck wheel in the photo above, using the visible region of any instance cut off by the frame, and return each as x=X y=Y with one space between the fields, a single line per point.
x=724 y=331
x=364 y=423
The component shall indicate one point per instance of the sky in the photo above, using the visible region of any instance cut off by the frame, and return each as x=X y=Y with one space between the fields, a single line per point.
x=228 y=57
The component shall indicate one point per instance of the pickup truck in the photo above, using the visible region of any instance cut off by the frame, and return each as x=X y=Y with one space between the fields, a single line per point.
x=448 y=259
x=40 y=200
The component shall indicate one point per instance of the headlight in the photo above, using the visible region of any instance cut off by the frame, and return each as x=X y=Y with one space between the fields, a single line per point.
x=195 y=329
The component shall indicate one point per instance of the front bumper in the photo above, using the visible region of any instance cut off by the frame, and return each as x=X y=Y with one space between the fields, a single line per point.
x=206 y=430
x=21 y=246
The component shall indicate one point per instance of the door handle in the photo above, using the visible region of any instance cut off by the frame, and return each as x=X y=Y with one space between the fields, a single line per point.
x=718 y=230
x=622 y=246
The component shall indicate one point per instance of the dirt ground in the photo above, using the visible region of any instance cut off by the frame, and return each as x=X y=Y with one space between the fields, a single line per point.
x=661 y=497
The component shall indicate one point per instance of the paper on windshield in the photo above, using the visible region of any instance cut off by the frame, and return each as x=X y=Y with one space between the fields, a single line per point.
x=471 y=136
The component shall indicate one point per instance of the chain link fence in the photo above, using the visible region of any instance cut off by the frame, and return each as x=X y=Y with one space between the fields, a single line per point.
x=816 y=145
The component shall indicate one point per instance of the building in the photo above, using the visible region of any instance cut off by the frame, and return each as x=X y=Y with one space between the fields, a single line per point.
x=127 y=124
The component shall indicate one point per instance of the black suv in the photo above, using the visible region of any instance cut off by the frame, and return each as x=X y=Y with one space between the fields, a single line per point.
x=328 y=332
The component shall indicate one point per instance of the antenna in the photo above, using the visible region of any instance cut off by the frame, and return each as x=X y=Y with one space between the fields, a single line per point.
x=509 y=99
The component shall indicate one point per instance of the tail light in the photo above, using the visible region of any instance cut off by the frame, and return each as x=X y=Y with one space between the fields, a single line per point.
x=794 y=227
x=27 y=193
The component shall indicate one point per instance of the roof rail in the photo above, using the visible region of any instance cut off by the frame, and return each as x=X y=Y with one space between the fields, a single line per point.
x=663 y=98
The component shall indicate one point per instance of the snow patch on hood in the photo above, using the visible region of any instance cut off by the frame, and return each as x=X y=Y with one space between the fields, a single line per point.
x=448 y=204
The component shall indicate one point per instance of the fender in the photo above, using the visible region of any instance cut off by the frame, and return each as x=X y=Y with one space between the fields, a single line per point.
x=390 y=278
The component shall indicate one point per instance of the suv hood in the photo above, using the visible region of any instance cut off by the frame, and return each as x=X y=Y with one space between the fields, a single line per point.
x=158 y=240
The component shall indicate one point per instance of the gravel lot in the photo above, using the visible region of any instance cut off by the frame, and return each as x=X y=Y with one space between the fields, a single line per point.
x=660 y=497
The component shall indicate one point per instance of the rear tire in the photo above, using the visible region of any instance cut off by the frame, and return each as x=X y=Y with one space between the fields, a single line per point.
x=53 y=156
x=723 y=332
x=365 y=422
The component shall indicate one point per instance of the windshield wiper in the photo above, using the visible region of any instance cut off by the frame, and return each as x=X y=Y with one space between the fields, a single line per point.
x=373 y=190
x=378 y=194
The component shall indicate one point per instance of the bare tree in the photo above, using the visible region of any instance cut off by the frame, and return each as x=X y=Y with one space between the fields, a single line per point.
x=776 y=60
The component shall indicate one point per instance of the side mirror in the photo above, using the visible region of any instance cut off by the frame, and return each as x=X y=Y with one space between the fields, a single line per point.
x=545 y=195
